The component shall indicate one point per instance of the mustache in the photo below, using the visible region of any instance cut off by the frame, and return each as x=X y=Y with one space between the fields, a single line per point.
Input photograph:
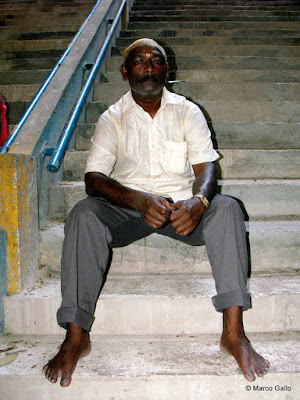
x=149 y=77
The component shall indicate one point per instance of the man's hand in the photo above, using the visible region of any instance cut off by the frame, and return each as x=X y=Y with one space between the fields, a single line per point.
x=155 y=210
x=186 y=215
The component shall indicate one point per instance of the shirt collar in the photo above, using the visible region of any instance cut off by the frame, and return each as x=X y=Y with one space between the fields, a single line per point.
x=167 y=98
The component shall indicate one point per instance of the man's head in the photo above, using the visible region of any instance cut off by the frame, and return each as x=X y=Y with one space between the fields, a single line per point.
x=145 y=67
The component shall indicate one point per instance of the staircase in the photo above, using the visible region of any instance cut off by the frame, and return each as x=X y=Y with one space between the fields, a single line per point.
x=156 y=332
x=34 y=34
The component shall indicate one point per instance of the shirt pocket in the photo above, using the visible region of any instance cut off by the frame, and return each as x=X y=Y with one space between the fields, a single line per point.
x=175 y=157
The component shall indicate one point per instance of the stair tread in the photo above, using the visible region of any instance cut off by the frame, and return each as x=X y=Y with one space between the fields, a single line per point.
x=153 y=355
x=56 y=227
x=165 y=286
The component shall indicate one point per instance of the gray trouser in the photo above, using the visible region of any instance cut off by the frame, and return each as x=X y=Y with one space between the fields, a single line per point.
x=95 y=227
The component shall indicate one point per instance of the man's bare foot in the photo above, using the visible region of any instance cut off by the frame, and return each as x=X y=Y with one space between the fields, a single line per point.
x=75 y=346
x=235 y=342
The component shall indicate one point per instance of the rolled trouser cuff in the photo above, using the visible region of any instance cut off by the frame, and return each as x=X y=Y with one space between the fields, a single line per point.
x=235 y=298
x=76 y=315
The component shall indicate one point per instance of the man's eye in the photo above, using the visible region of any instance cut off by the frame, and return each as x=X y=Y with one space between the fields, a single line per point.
x=138 y=62
x=157 y=61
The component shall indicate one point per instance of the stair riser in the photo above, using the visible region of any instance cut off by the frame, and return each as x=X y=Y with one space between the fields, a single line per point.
x=210 y=49
x=154 y=387
x=213 y=18
x=230 y=111
x=254 y=197
x=24 y=45
x=271 y=252
x=222 y=76
x=154 y=3
x=212 y=25
x=20 y=55
x=13 y=67
x=18 y=92
x=235 y=164
x=228 y=135
x=206 y=7
x=199 y=92
x=219 y=62
x=23 y=77
x=222 y=12
x=198 y=33
x=140 y=316
x=216 y=41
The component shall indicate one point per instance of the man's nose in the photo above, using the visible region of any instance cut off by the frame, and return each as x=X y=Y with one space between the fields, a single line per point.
x=149 y=65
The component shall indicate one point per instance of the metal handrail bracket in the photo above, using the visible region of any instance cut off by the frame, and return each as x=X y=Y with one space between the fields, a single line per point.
x=62 y=145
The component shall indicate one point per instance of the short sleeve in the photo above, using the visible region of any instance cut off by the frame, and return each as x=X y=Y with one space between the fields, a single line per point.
x=198 y=137
x=102 y=155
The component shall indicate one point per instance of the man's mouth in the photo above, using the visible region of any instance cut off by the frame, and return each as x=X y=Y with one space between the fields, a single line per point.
x=149 y=77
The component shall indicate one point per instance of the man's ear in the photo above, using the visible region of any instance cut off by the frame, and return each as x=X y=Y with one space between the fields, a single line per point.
x=123 y=71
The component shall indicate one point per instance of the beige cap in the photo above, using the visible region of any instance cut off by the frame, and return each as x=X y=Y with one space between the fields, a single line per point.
x=144 y=42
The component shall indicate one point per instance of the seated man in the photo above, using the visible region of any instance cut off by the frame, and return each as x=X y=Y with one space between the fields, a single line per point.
x=151 y=169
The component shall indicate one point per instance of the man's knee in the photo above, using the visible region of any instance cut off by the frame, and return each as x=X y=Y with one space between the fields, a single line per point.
x=226 y=204
x=83 y=208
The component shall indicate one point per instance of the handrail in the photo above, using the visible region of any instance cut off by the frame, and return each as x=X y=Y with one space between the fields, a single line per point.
x=63 y=142
x=6 y=145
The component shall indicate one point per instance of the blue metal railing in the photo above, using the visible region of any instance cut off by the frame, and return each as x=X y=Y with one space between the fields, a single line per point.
x=6 y=145
x=62 y=145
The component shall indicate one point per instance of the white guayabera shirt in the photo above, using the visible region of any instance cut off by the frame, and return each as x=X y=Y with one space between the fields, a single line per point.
x=152 y=155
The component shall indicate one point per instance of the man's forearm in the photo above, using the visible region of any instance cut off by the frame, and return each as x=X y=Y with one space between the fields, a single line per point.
x=205 y=183
x=97 y=184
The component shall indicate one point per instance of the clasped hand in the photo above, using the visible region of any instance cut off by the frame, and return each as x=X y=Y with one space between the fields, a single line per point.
x=184 y=215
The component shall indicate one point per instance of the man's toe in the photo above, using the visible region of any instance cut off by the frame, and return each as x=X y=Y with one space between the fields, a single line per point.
x=65 y=381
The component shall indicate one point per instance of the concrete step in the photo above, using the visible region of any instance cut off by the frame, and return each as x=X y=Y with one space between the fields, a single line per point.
x=15 y=110
x=241 y=3
x=228 y=135
x=13 y=12
x=26 y=77
x=37 y=28
x=234 y=164
x=46 y=20
x=223 y=50
x=223 y=12
x=267 y=25
x=217 y=17
x=220 y=62
x=205 y=49
x=27 y=64
x=42 y=44
x=18 y=92
x=221 y=76
x=206 y=7
x=20 y=54
x=217 y=41
x=200 y=91
x=253 y=195
x=231 y=111
x=275 y=249
x=214 y=31
x=62 y=34
x=145 y=304
x=154 y=367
